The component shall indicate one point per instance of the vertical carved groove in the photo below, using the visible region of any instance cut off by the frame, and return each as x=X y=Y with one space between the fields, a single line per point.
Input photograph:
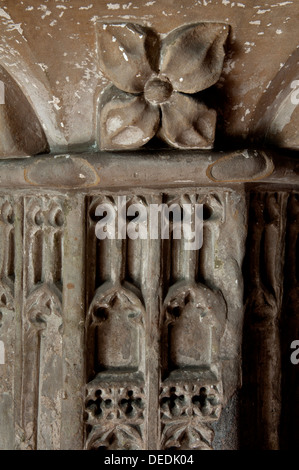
x=37 y=257
x=290 y=328
x=57 y=258
x=261 y=349
x=42 y=405
x=11 y=255
x=8 y=326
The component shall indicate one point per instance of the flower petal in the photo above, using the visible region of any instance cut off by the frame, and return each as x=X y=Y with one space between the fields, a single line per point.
x=128 y=55
x=192 y=56
x=187 y=123
x=126 y=121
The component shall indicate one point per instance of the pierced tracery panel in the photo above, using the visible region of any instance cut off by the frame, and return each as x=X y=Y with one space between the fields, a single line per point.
x=196 y=321
x=115 y=336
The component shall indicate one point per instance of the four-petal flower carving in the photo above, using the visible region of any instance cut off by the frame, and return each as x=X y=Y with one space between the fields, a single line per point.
x=154 y=81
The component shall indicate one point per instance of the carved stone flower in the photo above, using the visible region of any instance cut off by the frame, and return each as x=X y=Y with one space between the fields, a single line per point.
x=154 y=81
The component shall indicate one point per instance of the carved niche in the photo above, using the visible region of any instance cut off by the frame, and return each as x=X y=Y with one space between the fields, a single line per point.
x=115 y=402
x=159 y=325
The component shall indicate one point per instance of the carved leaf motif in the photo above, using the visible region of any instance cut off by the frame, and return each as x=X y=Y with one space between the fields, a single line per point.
x=127 y=121
x=192 y=56
x=128 y=55
x=187 y=436
x=186 y=123
x=115 y=437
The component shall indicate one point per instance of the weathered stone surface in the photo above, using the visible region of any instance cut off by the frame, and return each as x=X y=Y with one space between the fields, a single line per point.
x=162 y=72
x=139 y=343
x=54 y=55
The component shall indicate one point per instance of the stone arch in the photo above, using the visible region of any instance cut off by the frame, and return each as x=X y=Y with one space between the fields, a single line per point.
x=277 y=113
x=21 y=133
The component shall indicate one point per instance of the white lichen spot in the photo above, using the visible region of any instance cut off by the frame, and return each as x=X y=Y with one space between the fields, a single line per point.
x=86 y=8
x=12 y=26
x=44 y=67
x=225 y=2
x=4 y=14
x=229 y=66
x=241 y=5
x=126 y=6
x=148 y=4
x=53 y=23
x=257 y=22
x=29 y=8
x=129 y=136
x=55 y=101
x=113 y=6
x=278 y=31
x=45 y=10
x=262 y=12
x=82 y=176
x=113 y=124
x=181 y=79
x=237 y=106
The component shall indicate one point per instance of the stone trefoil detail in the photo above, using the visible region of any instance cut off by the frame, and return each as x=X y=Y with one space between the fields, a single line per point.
x=155 y=83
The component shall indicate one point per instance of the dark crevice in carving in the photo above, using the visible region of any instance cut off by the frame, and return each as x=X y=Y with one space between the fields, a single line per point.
x=290 y=330
x=11 y=256
x=262 y=268
x=57 y=255
x=37 y=256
